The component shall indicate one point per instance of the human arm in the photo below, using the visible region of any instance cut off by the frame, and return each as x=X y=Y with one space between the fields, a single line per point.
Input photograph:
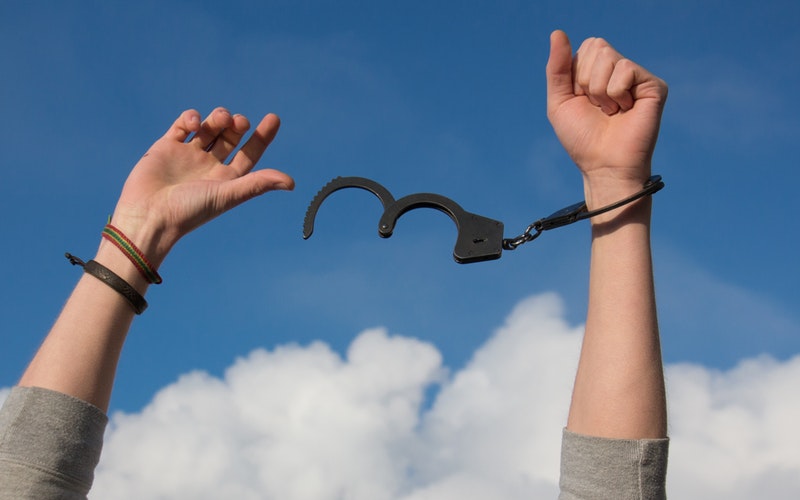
x=174 y=188
x=51 y=426
x=606 y=112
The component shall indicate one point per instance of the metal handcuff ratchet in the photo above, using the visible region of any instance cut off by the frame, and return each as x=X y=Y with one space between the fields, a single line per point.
x=479 y=238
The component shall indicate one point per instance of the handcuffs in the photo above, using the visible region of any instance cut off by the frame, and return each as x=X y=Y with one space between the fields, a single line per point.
x=479 y=238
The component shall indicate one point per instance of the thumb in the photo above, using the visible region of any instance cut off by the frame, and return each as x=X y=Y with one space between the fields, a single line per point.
x=559 y=70
x=237 y=191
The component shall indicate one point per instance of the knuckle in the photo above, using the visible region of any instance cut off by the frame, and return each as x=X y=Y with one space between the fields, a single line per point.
x=626 y=64
x=662 y=85
x=599 y=44
x=597 y=88
x=617 y=93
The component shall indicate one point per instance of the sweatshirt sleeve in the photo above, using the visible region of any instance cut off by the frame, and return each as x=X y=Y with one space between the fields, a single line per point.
x=50 y=444
x=619 y=469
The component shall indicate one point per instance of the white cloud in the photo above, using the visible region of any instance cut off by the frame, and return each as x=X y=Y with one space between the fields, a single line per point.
x=303 y=422
x=298 y=422
x=734 y=433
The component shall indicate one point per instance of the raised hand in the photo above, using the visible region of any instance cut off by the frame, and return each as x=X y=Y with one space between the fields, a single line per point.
x=606 y=111
x=179 y=185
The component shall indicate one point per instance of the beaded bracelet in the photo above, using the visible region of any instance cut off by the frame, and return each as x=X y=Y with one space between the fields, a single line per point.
x=108 y=277
x=133 y=253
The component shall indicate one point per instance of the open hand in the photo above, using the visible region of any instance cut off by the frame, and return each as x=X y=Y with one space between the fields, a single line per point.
x=179 y=185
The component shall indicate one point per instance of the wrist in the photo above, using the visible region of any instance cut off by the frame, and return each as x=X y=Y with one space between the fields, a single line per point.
x=132 y=252
x=600 y=192
x=635 y=213
x=110 y=256
x=134 y=247
x=603 y=187
x=151 y=239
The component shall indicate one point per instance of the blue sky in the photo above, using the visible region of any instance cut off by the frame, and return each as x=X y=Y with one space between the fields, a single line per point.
x=262 y=352
x=420 y=96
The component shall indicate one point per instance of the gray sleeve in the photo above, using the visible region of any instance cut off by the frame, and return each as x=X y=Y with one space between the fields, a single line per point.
x=49 y=445
x=615 y=469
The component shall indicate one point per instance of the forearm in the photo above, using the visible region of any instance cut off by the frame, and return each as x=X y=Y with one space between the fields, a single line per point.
x=181 y=183
x=619 y=387
x=80 y=353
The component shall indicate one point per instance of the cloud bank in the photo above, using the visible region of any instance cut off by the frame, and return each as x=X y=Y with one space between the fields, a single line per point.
x=388 y=421
x=302 y=422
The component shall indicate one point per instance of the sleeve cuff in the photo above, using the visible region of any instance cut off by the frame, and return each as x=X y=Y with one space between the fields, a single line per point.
x=51 y=436
x=603 y=468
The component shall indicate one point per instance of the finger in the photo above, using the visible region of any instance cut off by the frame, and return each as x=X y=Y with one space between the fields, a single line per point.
x=582 y=66
x=184 y=126
x=260 y=182
x=251 y=152
x=229 y=138
x=211 y=128
x=559 y=70
x=604 y=66
x=631 y=82
x=621 y=83
x=241 y=189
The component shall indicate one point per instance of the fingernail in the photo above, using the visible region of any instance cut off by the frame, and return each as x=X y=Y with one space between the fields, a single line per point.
x=282 y=186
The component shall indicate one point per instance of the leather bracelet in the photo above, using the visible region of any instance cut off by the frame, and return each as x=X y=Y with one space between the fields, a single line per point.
x=108 y=277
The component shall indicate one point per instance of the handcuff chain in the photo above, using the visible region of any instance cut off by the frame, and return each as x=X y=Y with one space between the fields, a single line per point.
x=526 y=236
x=576 y=212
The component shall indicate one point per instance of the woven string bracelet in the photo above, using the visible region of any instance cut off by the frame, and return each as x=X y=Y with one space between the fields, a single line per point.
x=133 y=253
x=108 y=277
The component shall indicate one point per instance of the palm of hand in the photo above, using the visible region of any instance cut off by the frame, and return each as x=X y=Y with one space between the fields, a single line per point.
x=604 y=108
x=178 y=186
x=178 y=182
x=600 y=143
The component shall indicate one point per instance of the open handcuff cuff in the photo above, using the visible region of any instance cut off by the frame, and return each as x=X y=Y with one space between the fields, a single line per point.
x=479 y=238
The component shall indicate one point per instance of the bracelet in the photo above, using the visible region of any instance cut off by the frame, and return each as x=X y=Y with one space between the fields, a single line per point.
x=108 y=277
x=133 y=253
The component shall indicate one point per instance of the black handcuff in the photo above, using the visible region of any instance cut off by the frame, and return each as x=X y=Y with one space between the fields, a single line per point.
x=479 y=238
